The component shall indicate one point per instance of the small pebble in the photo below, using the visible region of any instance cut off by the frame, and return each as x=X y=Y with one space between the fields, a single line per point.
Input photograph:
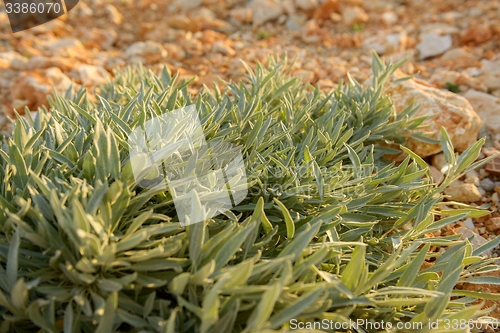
x=488 y=151
x=469 y=224
x=483 y=173
x=493 y=224
x=463 y=193
x=495 y=198
x=472 y=177
x=487 y=184
x=482 y=191
x=438 y=161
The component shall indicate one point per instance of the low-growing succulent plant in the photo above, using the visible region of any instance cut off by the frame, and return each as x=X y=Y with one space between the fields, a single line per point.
x=329 y=230
x=453 y=87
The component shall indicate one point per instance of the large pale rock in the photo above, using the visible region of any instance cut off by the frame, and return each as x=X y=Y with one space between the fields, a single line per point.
x=457 y=54
x=459 y=58
x=491 y=73
x=223 y=48
x=450 y=111
x=487 y=107
x=90 y=75
x=32 y=88
x=265 y=10
x=354 y=15
x=82 y=11
x=289 y=6
x=187 y=4
x=312 y=33
x=433 y=45
x=66 y=47
x=182 y=22
x=12 y=59
x=296 y=21
x=101 y=38
x=113 y=14
x=306 y=76
x=441 y=77
x=306 y=4
x=384 y=43
x=463 y=193
x=39 y=62
x=208 y=20
x=145 y=52
x=241 y=14
x=389 y=18
x=438 y=29
x=175 y=51
x=477 y=34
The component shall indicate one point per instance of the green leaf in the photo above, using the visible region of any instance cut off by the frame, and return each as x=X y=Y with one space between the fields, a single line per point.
x=290 y=225
x=424 y=138
x=130 y=242
x=210 y=305
x=447 y=147
x=355 y=269
x=494 y=280
x=356 y=162
x=486 y=247
x=114 y=165
x=37 y=318
x=283 y=88
x=238 y=275
x=13 y=259
x=154 y=265
x=69 y=319
x=469 y=155
x=476 y=294
x=411 y=271
x=297 y=245
x=107 y=285
x=138 y=222
x=415 y=157
x=178 y=284
x=170 y=327
x=202 y=274
x=196 y=233
x=148 y=305
x=252 y=136
x=259 y=211
x=106 y=323
x=471 y=212
x=230 y=247
x=20 y=176
x=19 y=294
x=260 y=315
x=295 y=308
x=89 y=166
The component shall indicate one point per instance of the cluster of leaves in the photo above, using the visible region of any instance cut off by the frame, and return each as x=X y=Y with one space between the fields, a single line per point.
x=84 y=249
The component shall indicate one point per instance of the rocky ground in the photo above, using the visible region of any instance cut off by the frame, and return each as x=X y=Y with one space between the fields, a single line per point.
x=453 y=48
